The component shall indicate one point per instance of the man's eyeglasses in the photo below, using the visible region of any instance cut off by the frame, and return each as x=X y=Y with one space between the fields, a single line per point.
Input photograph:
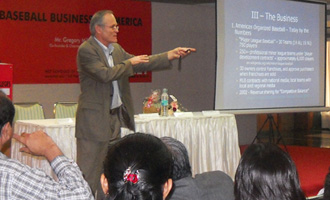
x=113 y=27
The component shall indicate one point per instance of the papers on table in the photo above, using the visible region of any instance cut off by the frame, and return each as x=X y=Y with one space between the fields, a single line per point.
x=211 y=112
x=183 y=114
x=207 y=113
x=64 y=120
x=149 y=115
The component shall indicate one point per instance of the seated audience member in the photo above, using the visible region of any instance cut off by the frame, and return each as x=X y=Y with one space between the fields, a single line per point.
x=265 y=171
x=215 y=185
x=326 y=195
x=19 y=181
x=137 y=166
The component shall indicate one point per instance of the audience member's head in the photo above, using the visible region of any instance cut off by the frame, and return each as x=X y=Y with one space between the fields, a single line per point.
x=211 y=185
x=267 y=172
x=138 y=167
x=7 y=112
x=326 y=195
x=181 y=165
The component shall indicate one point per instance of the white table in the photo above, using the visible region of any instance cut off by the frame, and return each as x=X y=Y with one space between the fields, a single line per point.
x=211 y=141
x=62 y=131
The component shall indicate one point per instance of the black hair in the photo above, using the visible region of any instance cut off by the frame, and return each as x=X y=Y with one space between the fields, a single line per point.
x=327 y=187
x=147 y=156
x=7 y=110
x=181 y=165
x=266 y=172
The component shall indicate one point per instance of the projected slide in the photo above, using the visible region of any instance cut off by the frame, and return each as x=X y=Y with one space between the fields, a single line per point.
x=271 y=54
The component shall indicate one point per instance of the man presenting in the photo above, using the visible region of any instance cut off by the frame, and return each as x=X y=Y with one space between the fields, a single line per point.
x=105 y=103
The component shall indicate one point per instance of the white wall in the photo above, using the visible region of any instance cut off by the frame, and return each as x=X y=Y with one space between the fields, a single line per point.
x=172 y=25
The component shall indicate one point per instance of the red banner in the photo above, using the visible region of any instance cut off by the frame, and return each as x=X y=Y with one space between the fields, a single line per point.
x=40 y=38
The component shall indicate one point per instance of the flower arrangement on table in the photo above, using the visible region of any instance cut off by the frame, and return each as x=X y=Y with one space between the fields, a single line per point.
x=152 y=104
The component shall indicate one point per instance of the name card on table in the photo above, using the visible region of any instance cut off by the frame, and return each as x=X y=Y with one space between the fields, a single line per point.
x=183 y=114
x=64 y=121
x=211 y=112
x=149 y=115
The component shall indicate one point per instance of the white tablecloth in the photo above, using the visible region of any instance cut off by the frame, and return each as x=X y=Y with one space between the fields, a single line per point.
x=62 y=131
x=211 y=141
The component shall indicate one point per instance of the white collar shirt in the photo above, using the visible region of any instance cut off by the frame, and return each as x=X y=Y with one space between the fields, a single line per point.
x=116 y=100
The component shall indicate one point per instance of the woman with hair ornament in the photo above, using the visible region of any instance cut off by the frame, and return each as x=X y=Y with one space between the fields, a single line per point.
x=137 y=167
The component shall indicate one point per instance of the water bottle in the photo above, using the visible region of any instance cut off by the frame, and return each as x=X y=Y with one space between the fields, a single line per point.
x=164 y=103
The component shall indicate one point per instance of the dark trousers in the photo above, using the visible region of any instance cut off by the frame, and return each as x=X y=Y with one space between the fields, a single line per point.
x=90 y=157
x=91 y=154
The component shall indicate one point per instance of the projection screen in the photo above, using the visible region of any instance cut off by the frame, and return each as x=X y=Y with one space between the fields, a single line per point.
x=270 y=56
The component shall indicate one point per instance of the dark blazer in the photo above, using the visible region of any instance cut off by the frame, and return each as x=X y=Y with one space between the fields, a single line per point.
x=96 y=76
x=215 y=185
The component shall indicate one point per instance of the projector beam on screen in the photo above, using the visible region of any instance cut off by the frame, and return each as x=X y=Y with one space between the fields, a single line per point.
x=270 y=56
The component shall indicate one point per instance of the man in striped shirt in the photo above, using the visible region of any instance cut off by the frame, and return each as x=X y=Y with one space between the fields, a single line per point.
x=19 y=181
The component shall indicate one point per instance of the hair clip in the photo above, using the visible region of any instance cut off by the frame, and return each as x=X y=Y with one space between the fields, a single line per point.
x=131 y=177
